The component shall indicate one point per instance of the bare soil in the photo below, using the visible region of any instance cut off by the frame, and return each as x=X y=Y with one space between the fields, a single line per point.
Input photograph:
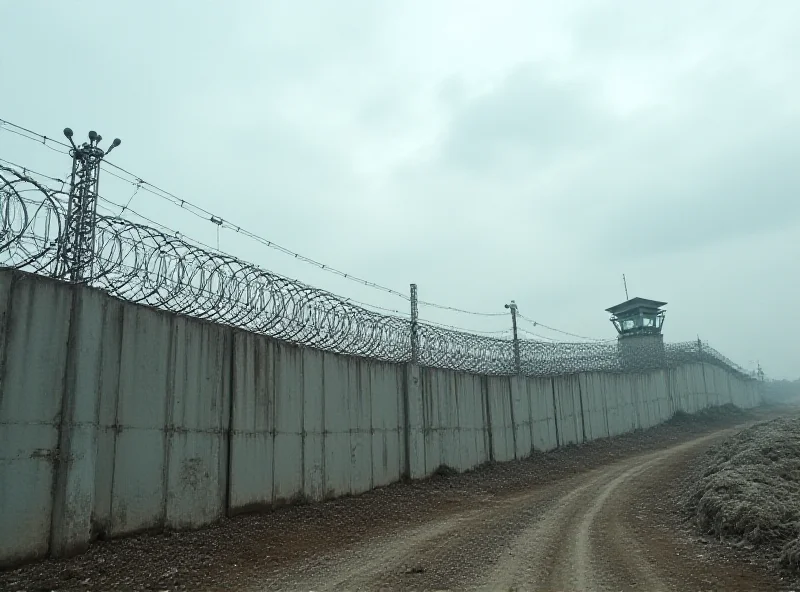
x=595 y=517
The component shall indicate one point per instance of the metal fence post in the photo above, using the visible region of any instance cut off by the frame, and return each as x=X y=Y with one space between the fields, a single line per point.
x=77 y=246
x=414 y=326
x=517 y=362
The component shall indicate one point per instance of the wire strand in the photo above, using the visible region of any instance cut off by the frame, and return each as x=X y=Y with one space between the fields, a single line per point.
x=221 y=223
x=543 y=326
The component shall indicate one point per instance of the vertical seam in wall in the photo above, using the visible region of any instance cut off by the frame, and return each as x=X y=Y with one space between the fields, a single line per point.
x=116 y=428
x=272 y=400
x=555 y=411
x=350 y=388
x=97 y=406
x=530 y=413
x=705 y=384
x=457 y=430
x=488 y=407
x=324 y=476
x=423 y=407
x=169 y=400
x=231 y=400
x=301 y=352
x=6 y=326
x=670 y=401
x=371 y=430
x=605 y=412
x=583 y=414
x=511 y=413
x=58 y=487
x=406 y=407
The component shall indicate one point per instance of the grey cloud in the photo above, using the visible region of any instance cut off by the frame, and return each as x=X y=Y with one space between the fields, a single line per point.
x=528 y=118
x=362 y=134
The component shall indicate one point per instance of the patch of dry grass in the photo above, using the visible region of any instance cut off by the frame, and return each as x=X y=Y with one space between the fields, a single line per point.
x=747 y=491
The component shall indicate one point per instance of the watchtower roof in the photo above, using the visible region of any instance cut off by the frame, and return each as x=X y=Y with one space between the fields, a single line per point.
x=636 y=304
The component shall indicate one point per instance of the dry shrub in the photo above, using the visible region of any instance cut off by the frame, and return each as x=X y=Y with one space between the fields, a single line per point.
x=747 y=490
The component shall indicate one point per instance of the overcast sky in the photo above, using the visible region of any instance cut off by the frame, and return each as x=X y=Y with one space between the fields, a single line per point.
x=487 y=151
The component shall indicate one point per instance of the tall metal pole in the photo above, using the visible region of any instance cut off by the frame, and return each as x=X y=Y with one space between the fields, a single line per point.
x=517 y=363
x=76 y=251
x=414 y=326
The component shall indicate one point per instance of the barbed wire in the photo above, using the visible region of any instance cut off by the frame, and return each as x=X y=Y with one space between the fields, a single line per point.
x=154 y=266
x=221 y=223
x=543 y=326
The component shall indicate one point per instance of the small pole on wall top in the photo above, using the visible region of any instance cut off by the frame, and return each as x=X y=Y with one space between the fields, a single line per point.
x=517 y=363
x=414 y=326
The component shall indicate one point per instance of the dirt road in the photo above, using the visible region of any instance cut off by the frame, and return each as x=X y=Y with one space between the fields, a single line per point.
x=594 y=517
x=591 y=532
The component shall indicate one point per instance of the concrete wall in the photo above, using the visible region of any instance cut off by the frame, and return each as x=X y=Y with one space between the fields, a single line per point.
x=117 y=418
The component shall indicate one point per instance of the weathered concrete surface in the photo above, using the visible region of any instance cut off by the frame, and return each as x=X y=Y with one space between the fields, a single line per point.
x=522 y=418
x=501 y=426
x=74 y=491
x=569 y=417
x=543 y=413
x=594 y=391
x=199 y=415
x=35 y=323
x=117 y=418
x=252 y=419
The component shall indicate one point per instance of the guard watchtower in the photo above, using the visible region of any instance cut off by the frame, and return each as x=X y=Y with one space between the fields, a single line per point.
x=638 y=322
x=638 y=316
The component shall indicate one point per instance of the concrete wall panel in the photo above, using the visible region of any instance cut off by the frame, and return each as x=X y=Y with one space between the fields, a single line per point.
x=435 y=387
x=197 y=449
x=139 y=485
x=521 y=412
x=386 y=389
x=498 y=392
x=313 y=425
x=250 y=471
x=594 y=393
x=338 y=465
x=74 y=491
x=542 y=408
x=568 y=410
x=108 y=399
x=35 y=323
x=415 y=423
x=472 y=420
x=613 y=402
x=360 y=425
x=288 y=455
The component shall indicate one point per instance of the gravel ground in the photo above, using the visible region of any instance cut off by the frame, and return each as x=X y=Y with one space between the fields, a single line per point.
x=745 y=492
x=248 y=552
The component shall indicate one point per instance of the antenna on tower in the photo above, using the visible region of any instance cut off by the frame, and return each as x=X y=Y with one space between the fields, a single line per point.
x=625 y=283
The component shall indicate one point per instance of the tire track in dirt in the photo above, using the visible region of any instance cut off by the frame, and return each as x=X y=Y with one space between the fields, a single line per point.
x=554 y=537
x=571 y=549
x=455 y=553
x=555 y=552
x=580 y=568
x=359 y=569
x=438 y=555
